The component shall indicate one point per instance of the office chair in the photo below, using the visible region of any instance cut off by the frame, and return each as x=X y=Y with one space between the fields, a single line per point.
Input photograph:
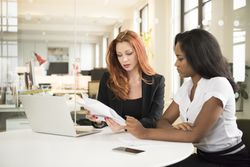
x=244 y=126
x=93 y=87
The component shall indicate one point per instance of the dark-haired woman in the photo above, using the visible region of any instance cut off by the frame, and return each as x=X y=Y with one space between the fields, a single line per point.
x=205 y=103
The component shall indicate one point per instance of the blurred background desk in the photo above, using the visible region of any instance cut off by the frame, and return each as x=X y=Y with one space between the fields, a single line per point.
x=12 y=117
x=29 y=149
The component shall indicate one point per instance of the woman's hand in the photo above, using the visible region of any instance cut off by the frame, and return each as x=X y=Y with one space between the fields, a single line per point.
x=184 y=126
x=134 y=127
x=114 y=126
x=91 y=117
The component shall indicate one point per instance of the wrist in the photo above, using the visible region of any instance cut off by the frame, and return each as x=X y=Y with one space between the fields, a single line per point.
x=145 y=134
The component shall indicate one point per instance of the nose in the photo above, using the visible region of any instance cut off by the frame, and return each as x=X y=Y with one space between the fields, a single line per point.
x=124 y=58
x=176 y=63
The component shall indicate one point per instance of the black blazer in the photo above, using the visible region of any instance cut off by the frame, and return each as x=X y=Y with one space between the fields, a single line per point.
x=152 y=98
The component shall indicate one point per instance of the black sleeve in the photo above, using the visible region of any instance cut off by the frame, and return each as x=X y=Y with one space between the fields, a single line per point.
x=156 y=106
x=103 y=89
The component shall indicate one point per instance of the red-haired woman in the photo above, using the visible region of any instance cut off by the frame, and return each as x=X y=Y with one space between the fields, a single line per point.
x=131 y=86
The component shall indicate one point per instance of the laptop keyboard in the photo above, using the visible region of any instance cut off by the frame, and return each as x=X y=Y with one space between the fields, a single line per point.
x=87 y=131
x=82 y=131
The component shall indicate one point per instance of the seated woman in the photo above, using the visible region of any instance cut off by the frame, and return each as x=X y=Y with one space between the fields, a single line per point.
x=131 y=86
x=205 y=103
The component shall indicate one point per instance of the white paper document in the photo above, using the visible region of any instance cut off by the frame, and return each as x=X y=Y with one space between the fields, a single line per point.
x=99 y=109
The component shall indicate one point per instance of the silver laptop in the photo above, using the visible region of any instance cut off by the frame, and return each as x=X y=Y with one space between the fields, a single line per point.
x=51 y=114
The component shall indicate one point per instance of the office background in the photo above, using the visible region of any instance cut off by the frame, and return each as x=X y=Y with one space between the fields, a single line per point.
x=79 y=31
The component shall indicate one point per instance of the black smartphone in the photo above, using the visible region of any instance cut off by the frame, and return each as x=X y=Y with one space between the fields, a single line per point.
x=128 y=150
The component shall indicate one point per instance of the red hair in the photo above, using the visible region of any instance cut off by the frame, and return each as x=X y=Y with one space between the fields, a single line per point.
x=118 y=80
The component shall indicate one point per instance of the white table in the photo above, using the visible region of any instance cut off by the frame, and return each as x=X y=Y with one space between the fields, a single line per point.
x=29 y=149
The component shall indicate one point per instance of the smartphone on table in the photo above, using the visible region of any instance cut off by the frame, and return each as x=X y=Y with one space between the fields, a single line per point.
x=128 y=150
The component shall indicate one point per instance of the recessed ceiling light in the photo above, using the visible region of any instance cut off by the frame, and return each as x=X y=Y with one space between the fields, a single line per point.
x=106 y=2
x=221 y=23
x=27 y=16
x=236 y=23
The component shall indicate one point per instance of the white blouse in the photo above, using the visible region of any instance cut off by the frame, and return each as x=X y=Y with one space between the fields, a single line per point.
x=225 y=133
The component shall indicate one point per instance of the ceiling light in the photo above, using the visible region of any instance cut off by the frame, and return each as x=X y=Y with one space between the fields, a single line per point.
x=27 y=16
x=236 y=23
x=221 y=23
x=106 y=2
x=205 y=22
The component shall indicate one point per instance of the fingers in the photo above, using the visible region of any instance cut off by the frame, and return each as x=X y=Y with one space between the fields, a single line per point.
x=91 y=117
x=183 y=126
x=115 y=127
x=110 y=121
x=131 y=123
x=130 y=120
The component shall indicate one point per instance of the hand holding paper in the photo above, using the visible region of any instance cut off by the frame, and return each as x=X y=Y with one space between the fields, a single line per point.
x=101 y=110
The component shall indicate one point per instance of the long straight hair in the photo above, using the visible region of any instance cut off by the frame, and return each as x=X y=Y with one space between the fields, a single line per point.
x=203 y=53
x=118 y=81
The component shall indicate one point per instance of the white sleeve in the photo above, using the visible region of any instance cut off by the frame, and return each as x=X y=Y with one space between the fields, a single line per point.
x=220 y=88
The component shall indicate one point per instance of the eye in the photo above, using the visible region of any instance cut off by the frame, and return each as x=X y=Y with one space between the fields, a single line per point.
x=129 y=53
x=180 y=59
x=119 y=55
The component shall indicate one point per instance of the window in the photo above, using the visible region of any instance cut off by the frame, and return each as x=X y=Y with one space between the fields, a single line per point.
x=206 y=15
x=239 y=53
x=8 y=48
x=237 y=4
x=9 y=16
x=8 y=61
x=228 y=21
x=195 y=14
x=144 y=24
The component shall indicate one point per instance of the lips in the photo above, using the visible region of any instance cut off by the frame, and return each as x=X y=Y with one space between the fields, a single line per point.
x=126 y=65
